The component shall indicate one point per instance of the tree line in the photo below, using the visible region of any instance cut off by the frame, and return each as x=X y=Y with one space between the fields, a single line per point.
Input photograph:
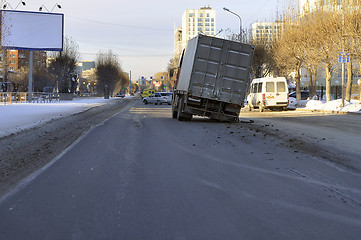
x=313 y=41
x=310 y=39
x=61 y=73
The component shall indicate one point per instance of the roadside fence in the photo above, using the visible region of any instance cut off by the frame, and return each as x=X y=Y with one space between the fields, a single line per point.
x=24 y=97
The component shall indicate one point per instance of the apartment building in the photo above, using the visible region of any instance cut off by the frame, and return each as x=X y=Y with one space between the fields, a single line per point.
x=194 y=22
x=266 y=32
x=178 y=46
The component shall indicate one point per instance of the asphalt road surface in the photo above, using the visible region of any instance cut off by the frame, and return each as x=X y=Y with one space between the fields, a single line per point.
x=143 y=175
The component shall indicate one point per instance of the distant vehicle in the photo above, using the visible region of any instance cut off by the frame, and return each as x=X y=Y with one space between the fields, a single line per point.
x=158 y=98
x=167 y=97
x=304 y=94
x=122 y=95
x=212 y=81
x=268 y=93
x=147 y=93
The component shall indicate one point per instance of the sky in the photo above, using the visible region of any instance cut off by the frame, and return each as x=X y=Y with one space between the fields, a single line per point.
x=140 y=32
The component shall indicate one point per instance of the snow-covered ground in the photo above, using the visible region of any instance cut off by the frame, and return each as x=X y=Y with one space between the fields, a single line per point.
x=19 y=116
x=336 y=105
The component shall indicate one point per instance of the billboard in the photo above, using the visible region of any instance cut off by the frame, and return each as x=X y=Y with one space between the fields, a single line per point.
x=24 y=30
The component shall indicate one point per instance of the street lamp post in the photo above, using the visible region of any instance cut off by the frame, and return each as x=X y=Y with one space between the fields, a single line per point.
x=240 y=21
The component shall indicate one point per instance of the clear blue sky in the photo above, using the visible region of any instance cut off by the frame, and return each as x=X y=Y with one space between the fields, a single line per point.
x=141 y=32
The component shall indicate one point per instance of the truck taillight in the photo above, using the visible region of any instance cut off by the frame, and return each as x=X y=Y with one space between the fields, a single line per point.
x=288 y=96
x=263 y=96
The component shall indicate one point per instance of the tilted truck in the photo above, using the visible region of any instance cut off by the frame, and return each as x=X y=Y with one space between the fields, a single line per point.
x=213 y=78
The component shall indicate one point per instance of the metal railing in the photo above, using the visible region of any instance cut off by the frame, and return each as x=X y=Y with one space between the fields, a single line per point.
x=24 y=97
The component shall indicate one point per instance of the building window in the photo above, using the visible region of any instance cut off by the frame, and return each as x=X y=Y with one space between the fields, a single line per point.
x=191 y=15
x=207 y=14
x=212 y=19
x=200 y=29
x=201 y=15
x=212 y=29
x=207 y=19
x=200 y=19
x=200 y=24
x=207 y=24
x=212 y=24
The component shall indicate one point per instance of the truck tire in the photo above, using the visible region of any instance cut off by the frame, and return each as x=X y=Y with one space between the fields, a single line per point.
x=179 y=110
x=180 y=115
x=174 y=108
x=145 y=101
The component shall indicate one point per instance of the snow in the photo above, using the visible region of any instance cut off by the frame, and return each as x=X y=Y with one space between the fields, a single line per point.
x=336 y=105
x=20 y=116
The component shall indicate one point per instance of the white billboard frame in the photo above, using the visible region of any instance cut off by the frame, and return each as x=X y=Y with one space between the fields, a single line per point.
x=33 y=31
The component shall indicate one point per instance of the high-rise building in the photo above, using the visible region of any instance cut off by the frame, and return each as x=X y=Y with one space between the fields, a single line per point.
x=178 y=41
x=194 y=22
x=266 y=32
x=310 y=5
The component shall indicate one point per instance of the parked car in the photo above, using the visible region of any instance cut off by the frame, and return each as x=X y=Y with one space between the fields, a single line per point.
x=158 y=98
x=122 y=95
x=167 y=96
x=268 y=93
x=304 y=94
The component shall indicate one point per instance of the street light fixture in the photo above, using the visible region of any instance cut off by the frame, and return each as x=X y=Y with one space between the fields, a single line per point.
x=56 y=5
x=22 y=2
x=42 y=6
x=7 y=4
x=240 y=20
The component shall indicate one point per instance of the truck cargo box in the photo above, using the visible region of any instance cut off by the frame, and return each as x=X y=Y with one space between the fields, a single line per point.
x=216 y=69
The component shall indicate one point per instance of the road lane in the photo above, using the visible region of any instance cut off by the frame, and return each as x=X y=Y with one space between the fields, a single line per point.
x=143 y=175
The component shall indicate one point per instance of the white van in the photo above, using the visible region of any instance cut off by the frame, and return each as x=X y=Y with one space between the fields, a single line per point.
x=271 y=93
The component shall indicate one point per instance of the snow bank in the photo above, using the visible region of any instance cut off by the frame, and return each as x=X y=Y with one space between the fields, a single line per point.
x=19 y=116
x=335 y=105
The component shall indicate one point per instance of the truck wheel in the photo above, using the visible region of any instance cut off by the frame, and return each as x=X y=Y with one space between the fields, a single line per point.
x=179 y=110
x=174 y=114
x=180 y=115
x=145 y=101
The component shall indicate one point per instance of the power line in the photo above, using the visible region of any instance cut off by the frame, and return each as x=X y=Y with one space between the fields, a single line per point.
x=135 y=56
x=121 y=25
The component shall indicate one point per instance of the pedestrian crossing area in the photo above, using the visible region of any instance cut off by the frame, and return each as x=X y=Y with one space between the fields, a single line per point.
x=152 y=112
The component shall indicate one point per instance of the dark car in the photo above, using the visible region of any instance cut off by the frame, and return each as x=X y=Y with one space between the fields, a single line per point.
x=122 y=95
x=304 y=94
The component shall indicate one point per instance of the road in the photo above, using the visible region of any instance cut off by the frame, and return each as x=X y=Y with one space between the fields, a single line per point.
x=143 y=175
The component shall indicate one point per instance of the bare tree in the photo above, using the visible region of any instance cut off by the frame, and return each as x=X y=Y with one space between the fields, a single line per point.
x=172 y=70
x=262 y=63
x=109 y=73
x=63 y=65
x=288 y=52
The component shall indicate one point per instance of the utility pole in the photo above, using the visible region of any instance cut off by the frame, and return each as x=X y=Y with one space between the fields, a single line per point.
x=343 y=52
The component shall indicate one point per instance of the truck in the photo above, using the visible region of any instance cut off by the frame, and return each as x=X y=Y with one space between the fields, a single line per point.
x=212 y=79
